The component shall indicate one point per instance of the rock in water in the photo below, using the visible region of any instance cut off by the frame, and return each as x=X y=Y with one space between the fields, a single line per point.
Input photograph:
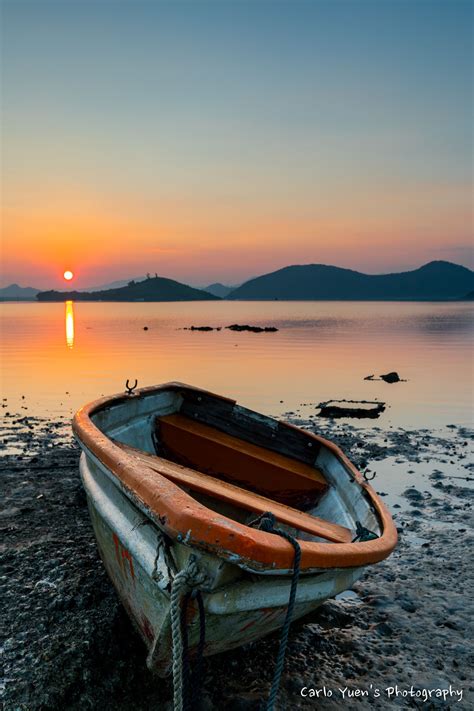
x=252 y=329
x=392 y=377
x=351 y=408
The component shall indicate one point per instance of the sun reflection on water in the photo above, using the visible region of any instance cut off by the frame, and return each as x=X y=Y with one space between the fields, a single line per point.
x=69 y=324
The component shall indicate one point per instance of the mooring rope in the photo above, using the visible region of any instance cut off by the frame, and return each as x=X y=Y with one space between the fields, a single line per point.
x=266 y=522
x=192 y=679
x=185 y=581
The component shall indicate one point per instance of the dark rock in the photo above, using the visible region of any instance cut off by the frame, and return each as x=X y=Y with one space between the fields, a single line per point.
x=252 y=329
x=392 y=377
x=200 y=328
x=413 y=494
x=408 y=605
x=384 y=629
x=351 y=408
x=245 y=702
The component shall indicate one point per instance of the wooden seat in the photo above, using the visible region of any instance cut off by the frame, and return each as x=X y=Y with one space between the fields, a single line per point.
x=205 y=484
x=232 y=459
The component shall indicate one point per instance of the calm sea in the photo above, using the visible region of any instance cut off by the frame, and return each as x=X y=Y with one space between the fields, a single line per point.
x=56 y=357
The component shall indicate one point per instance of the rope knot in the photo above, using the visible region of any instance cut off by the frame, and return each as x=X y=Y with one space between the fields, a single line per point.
x=191 y=576
x=265 y=522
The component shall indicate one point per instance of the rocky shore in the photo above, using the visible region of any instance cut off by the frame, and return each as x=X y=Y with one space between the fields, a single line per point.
x=405 y=629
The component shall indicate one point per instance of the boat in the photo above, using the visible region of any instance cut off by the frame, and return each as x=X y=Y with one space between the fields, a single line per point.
x=177 y=479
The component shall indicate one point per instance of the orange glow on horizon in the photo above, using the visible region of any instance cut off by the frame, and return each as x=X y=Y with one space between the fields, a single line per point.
x=197 y=241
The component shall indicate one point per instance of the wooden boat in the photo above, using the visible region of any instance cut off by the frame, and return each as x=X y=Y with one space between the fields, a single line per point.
x=173 y=471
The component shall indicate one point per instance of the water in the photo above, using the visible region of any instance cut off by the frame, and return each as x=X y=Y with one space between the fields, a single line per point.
x=60 y=356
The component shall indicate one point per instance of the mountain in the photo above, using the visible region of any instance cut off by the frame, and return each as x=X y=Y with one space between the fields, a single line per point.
x=219 y=290
x=113 y=284
x=14 y=291
x=153 y=289
x=434 y=281
x=468 y=297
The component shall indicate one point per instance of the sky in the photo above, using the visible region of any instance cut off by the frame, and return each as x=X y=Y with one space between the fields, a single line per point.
x=215 y=141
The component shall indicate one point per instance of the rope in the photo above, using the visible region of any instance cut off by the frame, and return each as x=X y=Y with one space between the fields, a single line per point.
x=185 y=656
x=266 y=522
x=192 y=681
x=183 y=582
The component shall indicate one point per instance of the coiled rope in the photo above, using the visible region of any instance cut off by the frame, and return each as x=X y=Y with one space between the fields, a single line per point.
x=185 y=581
x=266 y=522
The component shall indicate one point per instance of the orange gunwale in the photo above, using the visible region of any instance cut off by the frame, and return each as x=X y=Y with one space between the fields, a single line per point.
x=185 y=519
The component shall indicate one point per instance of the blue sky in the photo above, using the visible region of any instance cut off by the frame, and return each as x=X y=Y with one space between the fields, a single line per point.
x=231 y=138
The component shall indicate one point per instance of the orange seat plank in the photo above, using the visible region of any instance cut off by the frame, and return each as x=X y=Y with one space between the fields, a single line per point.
x=208 y=450
x=247 y=500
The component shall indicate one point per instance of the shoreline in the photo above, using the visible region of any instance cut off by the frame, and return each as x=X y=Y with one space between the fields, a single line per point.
x=448 y=300
x=407 y=622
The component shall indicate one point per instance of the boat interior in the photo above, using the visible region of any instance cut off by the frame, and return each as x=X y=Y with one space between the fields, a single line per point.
x=242 y=464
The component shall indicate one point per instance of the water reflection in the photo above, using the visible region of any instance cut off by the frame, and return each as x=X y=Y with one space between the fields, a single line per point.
x=322 y=351
x=69 y=324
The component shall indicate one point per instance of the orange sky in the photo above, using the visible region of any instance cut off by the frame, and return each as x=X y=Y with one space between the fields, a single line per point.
x=219 y=144
x=197 y=242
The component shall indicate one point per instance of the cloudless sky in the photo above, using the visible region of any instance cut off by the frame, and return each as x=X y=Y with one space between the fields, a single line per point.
x=220 y=140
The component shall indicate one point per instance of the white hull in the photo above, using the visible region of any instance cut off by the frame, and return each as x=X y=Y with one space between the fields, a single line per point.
x=237 y=612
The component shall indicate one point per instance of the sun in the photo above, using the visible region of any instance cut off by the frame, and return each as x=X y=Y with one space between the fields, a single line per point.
x=68 y=275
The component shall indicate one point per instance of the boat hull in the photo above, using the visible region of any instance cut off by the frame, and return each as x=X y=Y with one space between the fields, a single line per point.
x=239 y=607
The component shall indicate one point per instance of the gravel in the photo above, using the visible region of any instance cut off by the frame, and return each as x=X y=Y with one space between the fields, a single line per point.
x=407 y=626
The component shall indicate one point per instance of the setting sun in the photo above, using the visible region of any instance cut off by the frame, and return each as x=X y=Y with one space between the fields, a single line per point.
x=68 y=275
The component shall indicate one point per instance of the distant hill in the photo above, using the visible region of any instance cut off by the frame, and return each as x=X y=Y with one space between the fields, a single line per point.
x=434 y=281
x=219 y=290
x=113 y=284
x=14 y=291
x=153 y=289
x=468 y=297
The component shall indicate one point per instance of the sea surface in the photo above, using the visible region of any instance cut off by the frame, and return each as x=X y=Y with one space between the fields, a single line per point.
x=55 y=357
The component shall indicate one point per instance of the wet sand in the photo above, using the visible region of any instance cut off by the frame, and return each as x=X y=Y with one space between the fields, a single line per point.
x=407 y=623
